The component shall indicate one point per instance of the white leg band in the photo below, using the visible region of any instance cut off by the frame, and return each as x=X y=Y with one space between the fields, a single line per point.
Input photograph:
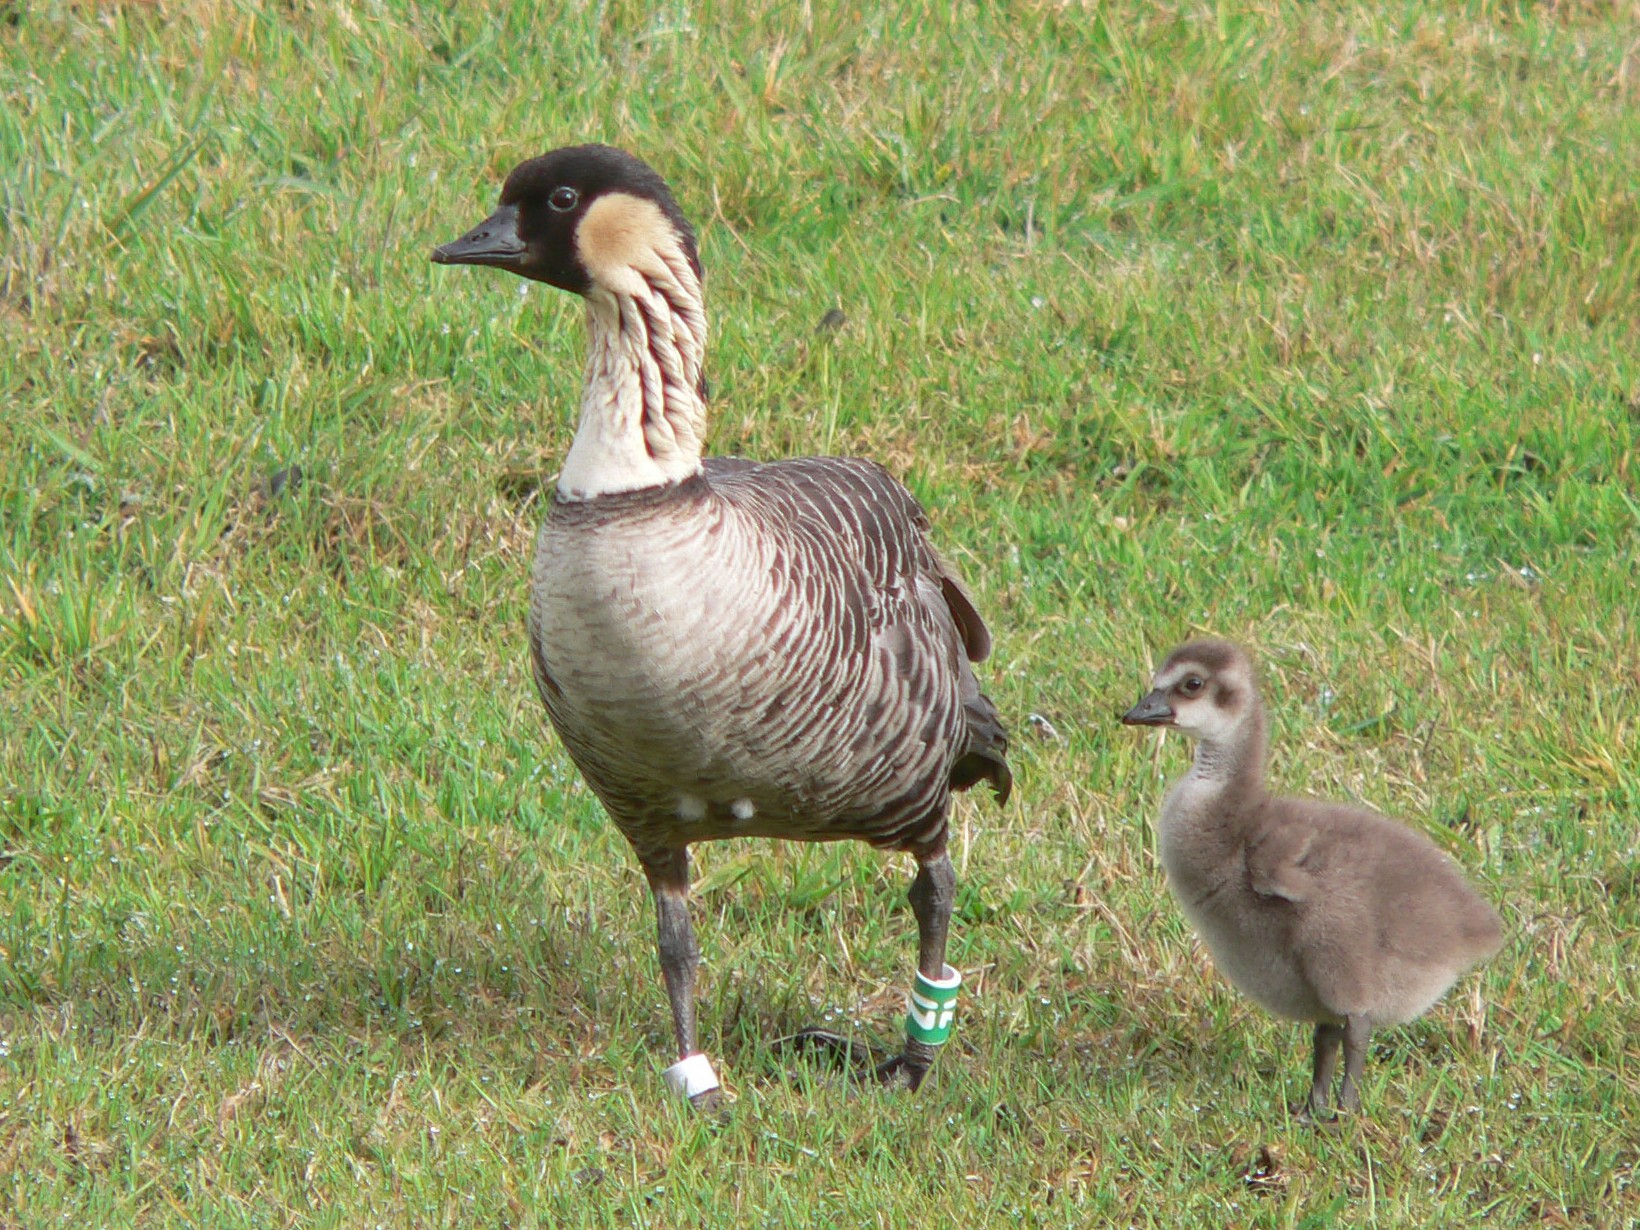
x=691 y=1075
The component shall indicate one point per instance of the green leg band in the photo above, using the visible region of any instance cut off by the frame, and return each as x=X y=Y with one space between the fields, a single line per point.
x=933 y=1007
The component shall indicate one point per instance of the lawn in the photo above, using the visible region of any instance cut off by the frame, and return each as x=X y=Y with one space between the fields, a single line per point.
x=1314 y=325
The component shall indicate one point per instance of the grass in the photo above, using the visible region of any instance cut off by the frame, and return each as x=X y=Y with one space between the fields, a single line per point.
x=1314 y=325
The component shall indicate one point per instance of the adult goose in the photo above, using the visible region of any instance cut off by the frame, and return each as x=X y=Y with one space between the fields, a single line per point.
x=727 y=648
x=1318 y=911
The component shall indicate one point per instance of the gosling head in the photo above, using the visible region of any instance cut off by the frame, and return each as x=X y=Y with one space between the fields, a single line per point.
x=580 y=218
x=1205 y=689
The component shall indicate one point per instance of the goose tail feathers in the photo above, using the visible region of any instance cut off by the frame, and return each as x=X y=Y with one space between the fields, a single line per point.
x=986 y=756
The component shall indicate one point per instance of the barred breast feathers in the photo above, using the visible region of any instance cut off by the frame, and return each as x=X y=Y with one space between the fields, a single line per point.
x=832 y=685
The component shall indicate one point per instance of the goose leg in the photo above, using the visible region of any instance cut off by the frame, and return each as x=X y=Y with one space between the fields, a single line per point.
x=931 y=895
x=668 y=874
x=1357 y=1031
x=1327 y=1038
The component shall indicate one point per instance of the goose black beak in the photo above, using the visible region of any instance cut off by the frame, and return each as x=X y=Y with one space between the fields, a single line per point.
x=1153 y=710
x=493 y=241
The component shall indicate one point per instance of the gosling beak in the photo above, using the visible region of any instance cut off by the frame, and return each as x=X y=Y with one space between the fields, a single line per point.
x=493 y=241
x=1153 y=710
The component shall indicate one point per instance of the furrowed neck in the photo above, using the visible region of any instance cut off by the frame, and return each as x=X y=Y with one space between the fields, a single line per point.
x=643 y=416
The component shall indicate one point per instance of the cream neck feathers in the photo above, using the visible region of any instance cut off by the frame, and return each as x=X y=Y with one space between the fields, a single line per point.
x=643 y=419
x=1234 y=752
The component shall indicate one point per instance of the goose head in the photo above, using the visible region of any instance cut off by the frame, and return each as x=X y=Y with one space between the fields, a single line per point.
x=1205 y=689
x=583 y=218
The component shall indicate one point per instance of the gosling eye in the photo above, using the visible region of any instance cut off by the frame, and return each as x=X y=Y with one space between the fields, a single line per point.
x=1191 y=685
x=564 y=199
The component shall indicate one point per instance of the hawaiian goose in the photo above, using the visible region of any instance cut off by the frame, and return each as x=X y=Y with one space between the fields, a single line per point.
x=1320 y=911
x=726 y=648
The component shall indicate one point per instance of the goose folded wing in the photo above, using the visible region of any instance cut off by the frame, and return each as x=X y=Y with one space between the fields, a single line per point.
x=1285 y=857
x=861 y=512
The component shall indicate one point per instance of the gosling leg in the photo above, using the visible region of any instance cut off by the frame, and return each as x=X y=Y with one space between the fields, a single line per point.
x=1324 y=1064
x=1357 y=1031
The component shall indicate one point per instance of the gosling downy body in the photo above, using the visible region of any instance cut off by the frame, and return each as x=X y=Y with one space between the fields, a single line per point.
x=726 y=648
x=1318 y=911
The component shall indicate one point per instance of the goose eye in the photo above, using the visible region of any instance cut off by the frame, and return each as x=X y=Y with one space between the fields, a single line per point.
x=564 y=199
x=1191 y=685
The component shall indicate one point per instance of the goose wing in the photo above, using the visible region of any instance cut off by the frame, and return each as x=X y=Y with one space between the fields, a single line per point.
x=860 y=515
x=865 y=533
x=1286 y=856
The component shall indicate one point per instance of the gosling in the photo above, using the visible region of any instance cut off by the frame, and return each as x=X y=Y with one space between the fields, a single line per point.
x=1319 y=911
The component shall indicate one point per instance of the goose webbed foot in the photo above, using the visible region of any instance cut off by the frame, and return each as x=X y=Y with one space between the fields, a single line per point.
x=711 y=1104
x=848 y=1055
x=1311 y=1113
x=907 y=1069
x=855 y=1059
